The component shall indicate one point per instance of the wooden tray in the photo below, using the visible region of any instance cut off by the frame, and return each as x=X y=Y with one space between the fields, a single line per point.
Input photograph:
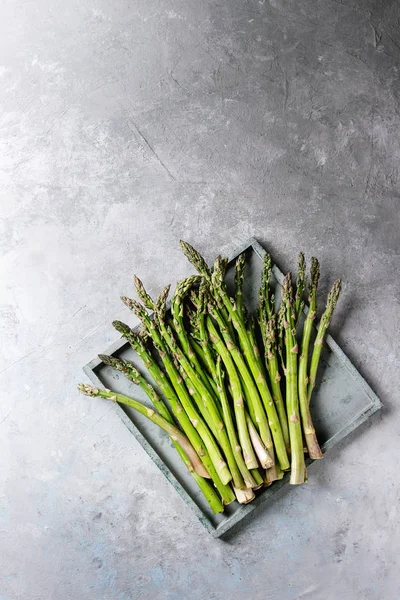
x=341 y=402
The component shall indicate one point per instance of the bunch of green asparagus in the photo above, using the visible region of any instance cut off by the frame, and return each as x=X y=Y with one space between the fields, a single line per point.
x=232 y=390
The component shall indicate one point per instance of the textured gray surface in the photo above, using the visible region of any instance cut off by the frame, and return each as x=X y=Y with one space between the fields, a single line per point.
x=125 y=126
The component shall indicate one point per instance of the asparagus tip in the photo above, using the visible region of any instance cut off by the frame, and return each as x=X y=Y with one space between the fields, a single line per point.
x=135 y=307
x=124 y=330
x=141 y=292
x=88 y=390
x=161 y=302
x=195 y=258
x=106 y=359
x=315 y=270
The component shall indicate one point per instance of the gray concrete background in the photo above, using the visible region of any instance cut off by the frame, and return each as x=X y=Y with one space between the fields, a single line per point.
x=124 y=127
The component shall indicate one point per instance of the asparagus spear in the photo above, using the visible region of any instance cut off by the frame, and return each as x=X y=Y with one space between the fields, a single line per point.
x=239 y=280
x=267 y=322
x=204 y=337
x=244 y=496
x=301 y=284
x=167 y=389
x=197 y=399
x=251 y=332
x=253 y=395
x=202 y=357
x=261 y=451
x=255 y=473
x=175 y=434
x=142 y=294
x=238 y=401
x=314 y=450
x=265 y=315
x=164 y=383
x=176 y=379
x=333 y=297
x=266 y=301
x=182 y=290
x=247 y=477
x=216 y=280
x=275 y=377
x=195 y=338
x=129 y=370
x=274 y=472
x=214 y=417
x=292 y=401
x=253 y=360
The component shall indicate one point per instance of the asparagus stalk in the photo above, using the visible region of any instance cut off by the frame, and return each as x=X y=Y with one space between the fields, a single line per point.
x=238 y=401
x=309 y=320
x=253 y=360
x=292 y=401
x=247 y=477
x=163 y=382
x=333 y=297
x=216 y=280
x=239 y=280
x=181 y=292
x=142 y=294
x=263 y=455
x=169 y=392
x=214 y=417
x=301 y=284
x=244 y=496
x=266 y=301
x=275 y=377
x=176 y=379
x=131 y=372
x=251 y=332
x=166 y=388
x=257 y=478
x=202 y=357
x=198 y=399
x=267 y=322
x=128 y=369
x=274 y=472
x=314 y=450
x=253 y=395
x=280 y=347
x=175 y=434
x=265 y=314
x=194 y=334
x=204 y=337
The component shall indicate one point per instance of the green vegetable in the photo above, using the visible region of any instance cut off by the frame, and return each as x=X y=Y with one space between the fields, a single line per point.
x=229 y=388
